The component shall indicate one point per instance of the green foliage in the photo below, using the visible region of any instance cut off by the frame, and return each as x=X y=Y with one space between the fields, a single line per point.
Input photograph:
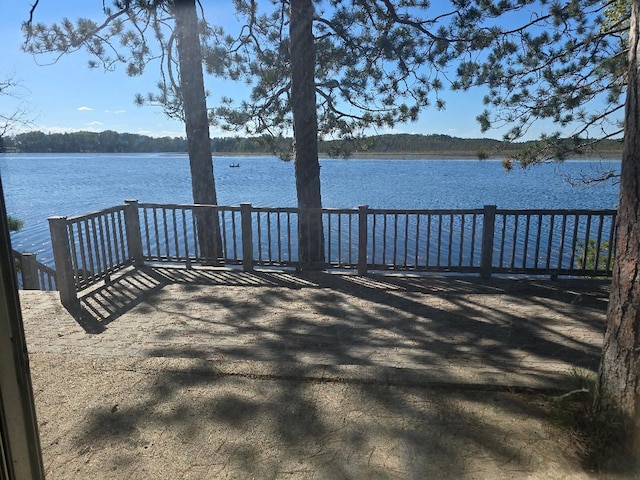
x=113 y=142
x=92 y=142
x=377 y=64
x=593 y=256
x=563 y=62
x=132 y=34
x=15 y=224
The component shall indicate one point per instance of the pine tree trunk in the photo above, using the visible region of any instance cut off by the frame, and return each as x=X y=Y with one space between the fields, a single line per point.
x=619 y=378
x=305 y=127
x=197 y=126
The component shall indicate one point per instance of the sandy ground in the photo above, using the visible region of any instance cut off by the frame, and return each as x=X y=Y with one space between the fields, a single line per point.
x=217 y=376
x=135 y=418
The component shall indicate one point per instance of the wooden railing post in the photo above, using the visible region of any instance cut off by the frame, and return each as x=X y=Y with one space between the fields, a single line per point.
x=134 y=237
x=362 y=239
x=29 y=271
x=247 y=237
x=65 y=280
x=488 y=231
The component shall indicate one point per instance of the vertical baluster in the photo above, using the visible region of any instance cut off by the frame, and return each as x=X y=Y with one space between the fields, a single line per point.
x=165 y=229
x=363 y=239
x=574 y=241
x=105 y=263
x=147 y=236
x=83 y=257
x=428 y=243
x=450 y=242
x=185 y=235
x=74 y=251
x=514 y=240
x=586 y=244
x=612 y=240
x=394 y=257
x=417 y=247
x=176 y=240
x=460 y=256
x=259 y=237
x=503 y=239
x=156 y=232
x=538 y=240
x=109 y=242
x=526 y=240
x=488 y=241
x=269 y=239
x=472 y=245
x=596 y=265
x=279 y=236
x=92 y=243
x=339 y=241
x=350 y=240
x=116 y=242
x=221 y=217
x=552 y=225
x=246 y=226
x=234 y=236
x=564 y=231
x=328 y=239
x=194 y=228
x=289 y=252
x=374 y=239
x=406 y=238
x=439 y=252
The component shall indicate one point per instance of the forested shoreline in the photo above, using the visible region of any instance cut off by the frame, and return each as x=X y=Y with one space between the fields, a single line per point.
x=391 y=144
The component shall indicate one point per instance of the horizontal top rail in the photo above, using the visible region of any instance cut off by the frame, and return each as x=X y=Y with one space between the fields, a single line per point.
x=422 y=211
x=189 y=206
x=553 y=211
x=97 y=213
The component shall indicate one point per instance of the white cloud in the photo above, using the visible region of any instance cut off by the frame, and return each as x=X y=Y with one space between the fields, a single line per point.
x=115 y=111
x=56 y=129
x=85 y=109
x=94 y=124
x=161 y=133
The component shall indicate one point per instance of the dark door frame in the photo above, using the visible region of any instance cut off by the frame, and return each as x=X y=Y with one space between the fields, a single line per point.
x=20 y=453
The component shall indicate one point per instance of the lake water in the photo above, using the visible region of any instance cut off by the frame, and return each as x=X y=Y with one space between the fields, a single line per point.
x=37 y=186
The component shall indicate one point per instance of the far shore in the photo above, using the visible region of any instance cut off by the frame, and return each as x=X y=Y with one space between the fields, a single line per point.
x=449 y=155
x=417 y=156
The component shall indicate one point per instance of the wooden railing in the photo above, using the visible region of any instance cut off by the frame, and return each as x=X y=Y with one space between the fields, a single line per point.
x=90 y=248
x=486 y=241
x=32 y=274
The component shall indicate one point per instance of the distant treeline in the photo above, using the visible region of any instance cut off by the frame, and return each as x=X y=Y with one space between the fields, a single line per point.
x=114 y=142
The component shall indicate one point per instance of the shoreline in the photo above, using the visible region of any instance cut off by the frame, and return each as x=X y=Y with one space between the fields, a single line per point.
x=450 y=155
x=415 y=156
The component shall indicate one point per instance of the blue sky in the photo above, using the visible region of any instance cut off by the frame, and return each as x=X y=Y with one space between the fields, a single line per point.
x=68 y=96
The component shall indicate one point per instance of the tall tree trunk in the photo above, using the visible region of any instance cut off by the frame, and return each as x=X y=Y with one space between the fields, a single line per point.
x=305 y=129
x=619 y=378
x=197 y=126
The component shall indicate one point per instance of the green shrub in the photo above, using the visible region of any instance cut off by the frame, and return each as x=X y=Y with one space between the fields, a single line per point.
x=15 y=224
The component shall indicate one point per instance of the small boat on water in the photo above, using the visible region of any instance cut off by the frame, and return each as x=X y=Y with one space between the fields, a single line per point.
x=234 y=165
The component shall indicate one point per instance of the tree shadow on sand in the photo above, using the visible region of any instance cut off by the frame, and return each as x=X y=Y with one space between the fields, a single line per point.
x=300 y=412
x=183 y=422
